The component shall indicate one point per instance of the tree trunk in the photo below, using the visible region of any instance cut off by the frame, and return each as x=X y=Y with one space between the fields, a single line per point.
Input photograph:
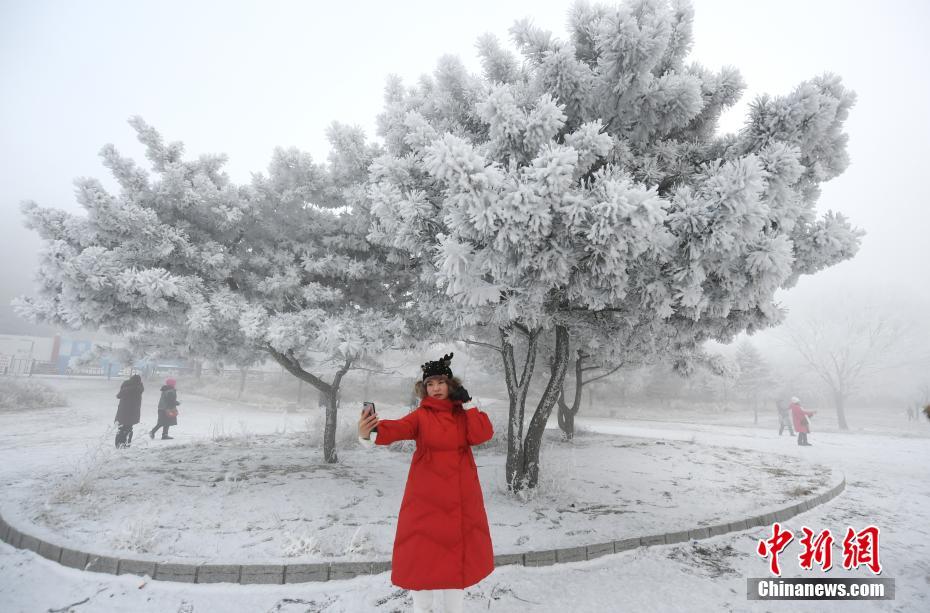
x=329 y=396
x=527 y=472
x=566 y=420
x=243 y=373
x=516 y=393
x=839 y=401
x=330 y=400
x=566 y=414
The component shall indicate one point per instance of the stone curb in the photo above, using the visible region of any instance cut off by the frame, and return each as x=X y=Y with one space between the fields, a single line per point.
x=303 y=573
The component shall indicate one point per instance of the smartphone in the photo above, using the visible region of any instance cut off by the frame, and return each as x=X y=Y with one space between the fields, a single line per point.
x=370 y=405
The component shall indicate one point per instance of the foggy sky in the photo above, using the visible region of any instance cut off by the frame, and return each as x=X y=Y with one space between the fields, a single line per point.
x=243 y=77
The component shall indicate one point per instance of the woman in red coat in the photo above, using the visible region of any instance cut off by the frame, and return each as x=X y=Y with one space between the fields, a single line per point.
x=801 y=424
x=443 y=541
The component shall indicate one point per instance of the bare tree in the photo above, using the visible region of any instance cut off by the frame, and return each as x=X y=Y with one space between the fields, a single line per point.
x=754 y=376
x=583 y=363
x=846 y=349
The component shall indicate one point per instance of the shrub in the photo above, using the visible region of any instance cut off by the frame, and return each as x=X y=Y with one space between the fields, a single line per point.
x=17 y=394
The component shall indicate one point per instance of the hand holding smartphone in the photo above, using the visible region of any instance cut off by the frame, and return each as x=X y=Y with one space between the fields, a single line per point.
x=369 y=418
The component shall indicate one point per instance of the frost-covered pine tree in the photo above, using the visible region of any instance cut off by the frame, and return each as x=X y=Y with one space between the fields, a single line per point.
x=280 y=266
x=587 y=175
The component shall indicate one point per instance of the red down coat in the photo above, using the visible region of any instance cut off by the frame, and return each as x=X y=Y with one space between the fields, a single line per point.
x=798 y=416
x=443 y=540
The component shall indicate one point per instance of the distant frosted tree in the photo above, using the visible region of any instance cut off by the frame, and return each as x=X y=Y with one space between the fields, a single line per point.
x=754 y=380
x=280 y=266
x=601 y=348
x=584 y=369
x=846 y=348
x=587 y=176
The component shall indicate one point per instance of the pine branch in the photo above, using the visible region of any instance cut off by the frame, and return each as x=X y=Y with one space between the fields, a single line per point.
x=480 y=344
x=606 y=374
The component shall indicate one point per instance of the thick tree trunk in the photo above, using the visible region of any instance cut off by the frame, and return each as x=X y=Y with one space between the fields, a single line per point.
x=839 y=401
x=566 y=413
x=566 y=419
x=329 y=396
x=526 y=475
x=330 y=400
x=517 y=389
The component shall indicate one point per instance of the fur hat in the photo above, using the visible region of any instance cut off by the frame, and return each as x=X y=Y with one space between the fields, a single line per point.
x=439 y=367
x=170 y=382
x=795 y=400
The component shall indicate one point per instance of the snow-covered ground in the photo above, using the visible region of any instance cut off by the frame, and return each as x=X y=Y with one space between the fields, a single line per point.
x=888 y=486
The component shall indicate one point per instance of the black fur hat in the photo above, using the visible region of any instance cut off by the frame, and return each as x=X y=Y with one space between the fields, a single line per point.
x=439 y=367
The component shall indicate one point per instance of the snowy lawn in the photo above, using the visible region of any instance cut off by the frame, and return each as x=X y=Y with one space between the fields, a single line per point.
x=231 y=496
x=888 y=485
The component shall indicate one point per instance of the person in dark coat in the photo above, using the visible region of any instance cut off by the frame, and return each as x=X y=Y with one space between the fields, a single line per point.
x=784 y=419
x=129 y=410
x=167 y=409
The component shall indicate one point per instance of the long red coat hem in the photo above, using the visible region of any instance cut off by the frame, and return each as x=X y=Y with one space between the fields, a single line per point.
x=438 y=586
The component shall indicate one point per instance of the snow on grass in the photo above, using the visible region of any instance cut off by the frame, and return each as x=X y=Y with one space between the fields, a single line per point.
x=729 y=465
x=260 y=498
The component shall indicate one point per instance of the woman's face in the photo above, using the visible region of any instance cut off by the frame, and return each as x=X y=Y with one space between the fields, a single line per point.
x=437 y=387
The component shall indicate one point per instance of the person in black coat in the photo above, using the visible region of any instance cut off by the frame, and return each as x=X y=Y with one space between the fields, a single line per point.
x=128 y=412
x=167 y=409
x=784 y=418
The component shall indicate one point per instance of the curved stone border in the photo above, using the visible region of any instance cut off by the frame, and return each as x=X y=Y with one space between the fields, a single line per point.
x=302 y=573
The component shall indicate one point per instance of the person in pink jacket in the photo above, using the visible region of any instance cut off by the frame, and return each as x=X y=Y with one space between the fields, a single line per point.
x=801 y=423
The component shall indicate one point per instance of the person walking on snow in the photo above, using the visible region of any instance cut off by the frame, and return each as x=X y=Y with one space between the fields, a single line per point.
x=129 y=410
x=784 y=421
x=443 y=542
x=801 y=422
x=167 y=409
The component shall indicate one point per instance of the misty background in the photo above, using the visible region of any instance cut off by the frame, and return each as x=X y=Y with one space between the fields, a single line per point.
x=241 y=78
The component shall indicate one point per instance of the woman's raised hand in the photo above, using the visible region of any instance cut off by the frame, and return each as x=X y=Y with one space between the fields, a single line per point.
x=366 y=422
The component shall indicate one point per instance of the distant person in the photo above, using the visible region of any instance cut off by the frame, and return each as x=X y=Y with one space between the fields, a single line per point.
x=801 y=421
x=167 y=409
x=129 y=410
x=784 y=419
x=926 y=410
